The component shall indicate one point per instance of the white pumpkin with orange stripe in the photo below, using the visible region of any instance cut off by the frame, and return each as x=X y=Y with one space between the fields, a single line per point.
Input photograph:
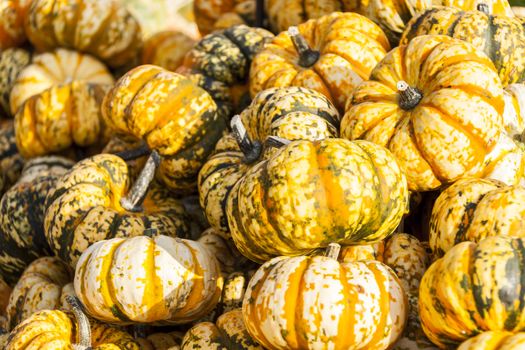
x=142 y=279
x=318 y=303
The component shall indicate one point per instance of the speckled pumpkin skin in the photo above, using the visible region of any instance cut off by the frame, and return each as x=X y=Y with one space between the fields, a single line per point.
x=291 y=113
x=350 y=46
x=161 y=341
x=211 y=15
x=172 y=115
x=12 y=62
x=12 y=17
x=11 y=162
x=502 y=38
x=495 y=340
x=229 y=332
x=104 y=29
x=506 y=161
x=22 y=211
x=310 y=194
x=449 y=133
x=39 y=288
x=220 y=64
x=514 y=113
x=473 y=288
x=54 y=329
x=319 y=303
x=142 y=279
x=166 y=49
x=473 y=209
x=84 y=207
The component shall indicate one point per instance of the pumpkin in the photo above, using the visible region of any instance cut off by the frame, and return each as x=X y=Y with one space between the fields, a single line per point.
x=211 y=15
x=166 y=49
x=420 y=103
x=85 y=206
x=332 y=55
x=39 y=288
x=318 y=303
x=473 y=209
x=11 y=162
x=309 y=194
x=22 y=211
x=57 y=329
x=12 y=62
x=229 y=332
x=220 y=64
x=5 y=292
x=506 y=162
x=502 y=38
x=12 y=17
x=106 y=30
x=143 y=279
x=291 y=113
x=514 y=113
x=161 y=341
x=173 y=116
x=494 y=340
x=475 y=287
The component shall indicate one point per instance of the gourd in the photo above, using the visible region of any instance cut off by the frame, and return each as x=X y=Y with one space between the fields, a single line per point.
x=229 y=332
x=11 y=162
x=424 y=113
x=5 y=292
x=172 y=115
x=212 y=15
x=502 y=38
x=318 y=303
x=57 y=329
x=39 y=288
x=166 y=49
x=56 y=102
x=331 y=55
x=289 y=113
x=22 y=211
x=494 y=340
x=276 y=209
x=161 y=341
x=220 y=64
x=12 y=62
x=93 y=201
x=514 y=113
x=12 y=16
x=104 y=29
x=475 y=287
x=473 y=209
x=146 y=280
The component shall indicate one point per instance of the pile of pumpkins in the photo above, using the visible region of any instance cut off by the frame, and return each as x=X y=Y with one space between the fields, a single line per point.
x=307 y=175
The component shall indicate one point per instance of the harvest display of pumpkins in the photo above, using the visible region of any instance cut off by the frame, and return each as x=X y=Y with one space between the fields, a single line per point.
x=301 y=175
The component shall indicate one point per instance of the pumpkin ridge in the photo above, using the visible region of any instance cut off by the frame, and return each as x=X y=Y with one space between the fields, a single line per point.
x=101 y=31
x=346 y=326
x=460 y=15
x=110 y=293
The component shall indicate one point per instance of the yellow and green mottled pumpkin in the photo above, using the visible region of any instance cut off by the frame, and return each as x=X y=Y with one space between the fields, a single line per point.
x=85 y=207
x=475 y=287
x=11 y=161
x=55 y=329
x=167 y=49
x=212 y=15
x=12 y=16
x=319 y=303
x=506 y=161
x=495 y=340
x=161 y=341
x=437 y=105
x=105 y=29
x=290 y=113
x=228 y=332
x=146 y=280
x=172 y=115
x=220 y=64
x=502 y=38
x=310 y=194
x=12 y=62
x=22 y=211
x=332 y=55
x=39 y=288
x=473 y=209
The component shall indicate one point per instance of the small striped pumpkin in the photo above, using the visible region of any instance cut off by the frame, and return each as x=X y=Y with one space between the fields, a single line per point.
x=12 y=17
x=212 y=15
x=12 y=62
x=495 y=340
x=166 y=49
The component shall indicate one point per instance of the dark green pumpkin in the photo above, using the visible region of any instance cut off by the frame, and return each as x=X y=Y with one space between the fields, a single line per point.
x=220 y=64
x=12 y=61
x=22 y=237
x=502 y=38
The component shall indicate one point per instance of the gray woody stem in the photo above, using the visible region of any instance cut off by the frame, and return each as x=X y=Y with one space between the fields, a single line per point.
x=251 y=149
x=133 y=200
x=83 y=326
x=307 y=56
x=332 y=251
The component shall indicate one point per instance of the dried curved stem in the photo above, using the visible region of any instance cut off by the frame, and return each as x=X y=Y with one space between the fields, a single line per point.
x=133 y=200
x=131 y=154
x=251 y=149
x=307 y=56
x=83 y=326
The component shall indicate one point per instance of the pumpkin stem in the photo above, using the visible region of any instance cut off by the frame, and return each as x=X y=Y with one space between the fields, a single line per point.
x=84 y=329
x=251 y=149
x=409 y=97
x=332 y=251
x=259 y=13
x=133 y=200
x=307 y=56
x=276 y=142
x=483 y=8
x=131 y=154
